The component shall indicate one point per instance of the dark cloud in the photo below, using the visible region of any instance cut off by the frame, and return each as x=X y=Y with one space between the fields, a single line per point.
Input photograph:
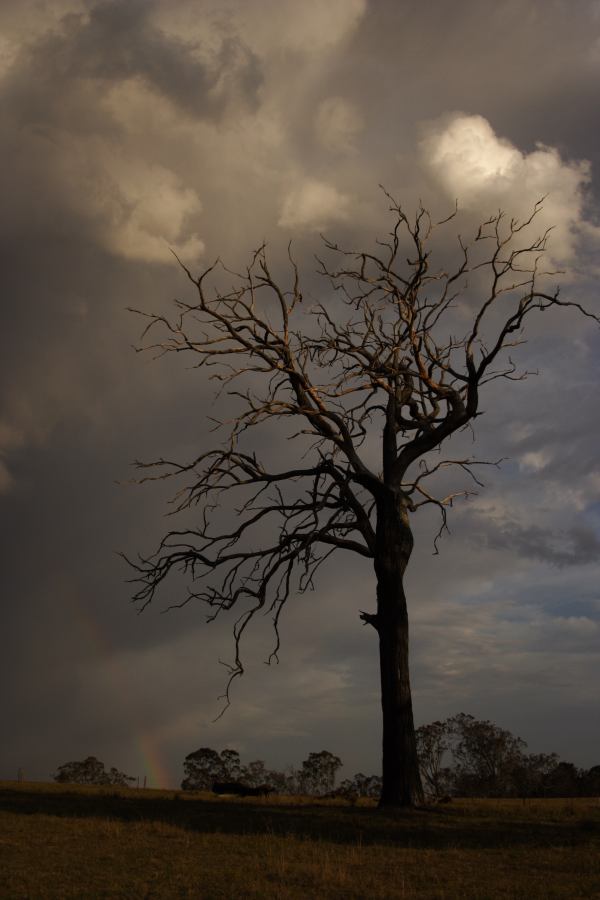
x=131 y=126
x=574 y=546
x=117 y=41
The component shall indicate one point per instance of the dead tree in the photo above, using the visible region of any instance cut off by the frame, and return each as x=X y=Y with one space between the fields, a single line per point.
x=375 y=361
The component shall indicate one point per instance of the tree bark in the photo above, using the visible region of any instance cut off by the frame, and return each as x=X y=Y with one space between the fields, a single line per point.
x=400 y=773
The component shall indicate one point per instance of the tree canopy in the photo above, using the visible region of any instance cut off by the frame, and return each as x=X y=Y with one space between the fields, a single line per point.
x=91 y=771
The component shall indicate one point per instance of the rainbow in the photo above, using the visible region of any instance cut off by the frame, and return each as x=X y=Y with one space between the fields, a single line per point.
x=154 y=768
x=151 y=760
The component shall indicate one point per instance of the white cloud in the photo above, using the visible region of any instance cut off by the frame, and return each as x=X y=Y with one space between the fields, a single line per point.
x=486 y=172
x=534 y=461
x=148 y=212
x=141 y=208
x=313 y=205
x=467 y=154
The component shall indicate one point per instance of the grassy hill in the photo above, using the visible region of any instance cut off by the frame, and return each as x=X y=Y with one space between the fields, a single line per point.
x=60 y=841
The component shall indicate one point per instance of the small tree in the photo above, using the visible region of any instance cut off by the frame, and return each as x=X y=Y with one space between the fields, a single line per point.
x=91 y=771
x=255 y=773
x=485 y=756
x=590 y=782
x=373 y=380
x=361 y=786
x=532 y=774
x=317 y=775
x=433 y=743
x=285 y=782
x=232 y=767
x=564 y=781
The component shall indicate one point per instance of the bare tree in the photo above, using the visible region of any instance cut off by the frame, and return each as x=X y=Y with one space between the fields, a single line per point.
x=375 y=361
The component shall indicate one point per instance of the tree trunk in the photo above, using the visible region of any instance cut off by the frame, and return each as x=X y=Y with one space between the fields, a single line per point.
x=401 y=777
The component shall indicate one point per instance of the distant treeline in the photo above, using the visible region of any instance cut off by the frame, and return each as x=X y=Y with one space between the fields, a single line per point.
x=205 y=767
x=467 y=757
x=461 y=756
x=91 y=771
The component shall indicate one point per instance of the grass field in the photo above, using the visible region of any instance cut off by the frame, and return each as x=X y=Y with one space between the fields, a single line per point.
x=61 y=841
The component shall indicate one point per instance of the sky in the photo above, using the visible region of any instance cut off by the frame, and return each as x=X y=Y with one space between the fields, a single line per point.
x=129 y=127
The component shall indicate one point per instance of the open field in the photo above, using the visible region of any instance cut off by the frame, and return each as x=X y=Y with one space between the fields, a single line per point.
x=61 y=841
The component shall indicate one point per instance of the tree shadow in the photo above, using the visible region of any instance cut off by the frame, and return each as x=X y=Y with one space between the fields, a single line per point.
x=427 y=828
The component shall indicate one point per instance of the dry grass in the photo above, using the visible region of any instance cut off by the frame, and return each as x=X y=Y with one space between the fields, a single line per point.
x=67 y=842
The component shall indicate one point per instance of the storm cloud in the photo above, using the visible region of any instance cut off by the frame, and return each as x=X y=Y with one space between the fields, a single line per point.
x=132 y=127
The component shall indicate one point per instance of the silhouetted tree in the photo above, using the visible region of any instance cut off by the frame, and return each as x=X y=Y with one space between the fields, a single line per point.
x=564 y=780
x=255 y=773
x=284 y=782
x=232 y=766
x=201 y=767
x=485 y=756
x=205 y=766
x=373 y=381
x=433 y=743
x=471 y=757
x=590 y=782
x=91 y=771
x=360 y=786
x=317 y=775
x=532 y=772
